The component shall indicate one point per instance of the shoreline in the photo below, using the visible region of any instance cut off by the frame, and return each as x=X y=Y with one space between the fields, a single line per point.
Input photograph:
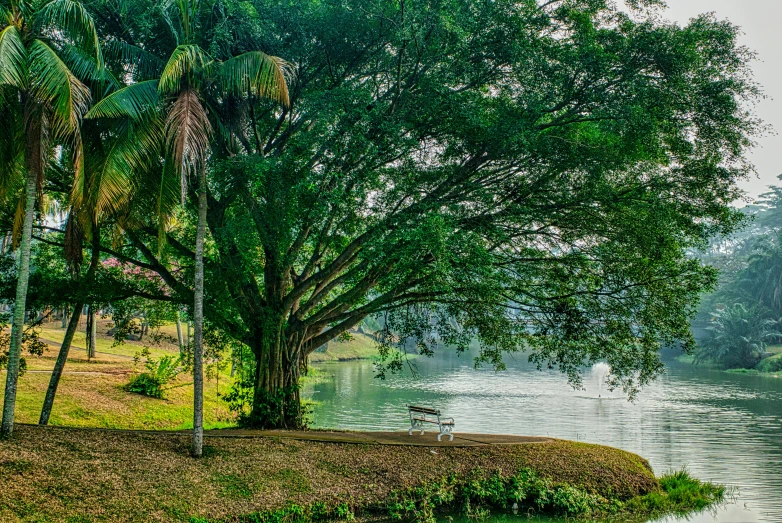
x=109 y=475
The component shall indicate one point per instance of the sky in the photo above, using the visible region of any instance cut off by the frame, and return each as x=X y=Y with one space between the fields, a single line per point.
x=760 y=23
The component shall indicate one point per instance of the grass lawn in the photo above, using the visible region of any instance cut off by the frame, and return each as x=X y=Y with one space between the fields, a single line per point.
x=91 y=393
x=360 y=347
x=774 y=349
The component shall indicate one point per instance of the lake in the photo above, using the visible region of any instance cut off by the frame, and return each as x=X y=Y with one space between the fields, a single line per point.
x=722 y=427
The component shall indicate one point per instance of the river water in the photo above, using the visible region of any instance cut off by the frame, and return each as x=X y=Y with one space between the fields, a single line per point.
x=722 y=427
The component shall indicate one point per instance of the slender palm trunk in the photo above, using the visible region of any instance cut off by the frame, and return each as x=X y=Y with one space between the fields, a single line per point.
x=34 y=164
x=54 y=381
x=91 y=331
x=73 y=325
x=180 y=337
x=198 y=321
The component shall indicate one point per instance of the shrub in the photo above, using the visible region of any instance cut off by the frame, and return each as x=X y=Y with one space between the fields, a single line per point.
x=158 y=374
x=773 y=364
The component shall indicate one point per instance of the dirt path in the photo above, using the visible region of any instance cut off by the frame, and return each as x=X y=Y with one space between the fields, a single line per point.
x=57 y=344
x=83 y=372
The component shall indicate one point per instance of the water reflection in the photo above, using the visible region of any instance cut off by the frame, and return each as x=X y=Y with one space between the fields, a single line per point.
x=722 y=427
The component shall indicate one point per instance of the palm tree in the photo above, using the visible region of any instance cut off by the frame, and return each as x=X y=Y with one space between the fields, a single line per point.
x=178 y=99
x=737 y=337
x=762 y=278
x=45 y=101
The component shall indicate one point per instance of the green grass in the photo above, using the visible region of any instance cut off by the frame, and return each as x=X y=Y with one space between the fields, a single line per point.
x=774 y=349
x=679 y=494
x=359 y=347
x=92 y=393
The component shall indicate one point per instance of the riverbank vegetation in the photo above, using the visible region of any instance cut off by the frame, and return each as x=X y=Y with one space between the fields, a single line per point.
x=740 y=324
x=84 y=475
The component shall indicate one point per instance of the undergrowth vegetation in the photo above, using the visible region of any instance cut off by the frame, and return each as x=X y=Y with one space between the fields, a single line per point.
x=159 y=373
x=476 y=495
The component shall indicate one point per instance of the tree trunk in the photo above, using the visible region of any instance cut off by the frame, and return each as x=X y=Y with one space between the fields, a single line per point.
x=73 y=324
x=276 y=401
x=34 y=164
x=62 y=357
x=179 y=335
x=198 y=321
x=91 y=332
x=64 y=318
x=189 y=326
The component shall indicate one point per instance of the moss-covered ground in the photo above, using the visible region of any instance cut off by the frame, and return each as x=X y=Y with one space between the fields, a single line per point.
x=58 y=474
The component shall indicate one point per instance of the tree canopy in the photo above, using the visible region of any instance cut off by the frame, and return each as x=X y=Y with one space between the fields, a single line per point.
x=530 y=174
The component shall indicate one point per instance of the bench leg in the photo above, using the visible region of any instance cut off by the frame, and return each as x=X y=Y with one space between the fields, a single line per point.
x=410 y=432
x=445 y=430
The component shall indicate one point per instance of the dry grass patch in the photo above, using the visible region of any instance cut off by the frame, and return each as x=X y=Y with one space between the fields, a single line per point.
x=54 y=474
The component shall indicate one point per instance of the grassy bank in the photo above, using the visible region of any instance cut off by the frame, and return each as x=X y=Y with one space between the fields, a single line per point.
x=72 y=475
x=359 y=347
x=770 y=367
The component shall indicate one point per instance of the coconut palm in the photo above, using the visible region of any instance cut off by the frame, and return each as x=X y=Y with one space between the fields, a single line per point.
x=179 y=99
x=41 y=102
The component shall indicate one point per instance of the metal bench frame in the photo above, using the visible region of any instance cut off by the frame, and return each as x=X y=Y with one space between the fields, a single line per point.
x=421 y=415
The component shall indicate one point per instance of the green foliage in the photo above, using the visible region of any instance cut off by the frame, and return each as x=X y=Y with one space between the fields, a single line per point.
x=680 y=494
x=264 y=409
x=478 y=493
x=737 y=337
x=294 y=513
x=31 y=343
x=159 y=373
x=772 y=364
x=499 y=171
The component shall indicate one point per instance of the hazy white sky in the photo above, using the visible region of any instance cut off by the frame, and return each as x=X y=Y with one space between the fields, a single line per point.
x=760 y=22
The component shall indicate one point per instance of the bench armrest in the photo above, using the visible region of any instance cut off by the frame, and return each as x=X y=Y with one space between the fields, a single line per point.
x=448 y=420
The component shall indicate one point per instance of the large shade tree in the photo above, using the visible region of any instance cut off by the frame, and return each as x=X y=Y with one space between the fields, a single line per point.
x=41 y=103
x=530 y=174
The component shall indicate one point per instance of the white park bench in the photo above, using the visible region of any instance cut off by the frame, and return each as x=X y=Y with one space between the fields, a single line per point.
x=419 y=416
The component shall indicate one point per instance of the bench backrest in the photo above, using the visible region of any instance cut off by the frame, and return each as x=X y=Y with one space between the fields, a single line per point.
x=423 y=410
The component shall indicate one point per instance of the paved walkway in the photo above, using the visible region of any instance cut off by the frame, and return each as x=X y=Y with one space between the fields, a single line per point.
x=429 y=439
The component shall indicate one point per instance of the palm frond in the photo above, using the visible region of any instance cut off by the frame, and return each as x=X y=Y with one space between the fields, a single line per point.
x=74 y=239
x=133 y=101
x=184 y=61
x=133 y=151
x=141 y=63
x=258 y=74
x=11 y=146
x=13 y=58
x=187 y=135
x=70 y=18
x=85 y=67
x=54 y=84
